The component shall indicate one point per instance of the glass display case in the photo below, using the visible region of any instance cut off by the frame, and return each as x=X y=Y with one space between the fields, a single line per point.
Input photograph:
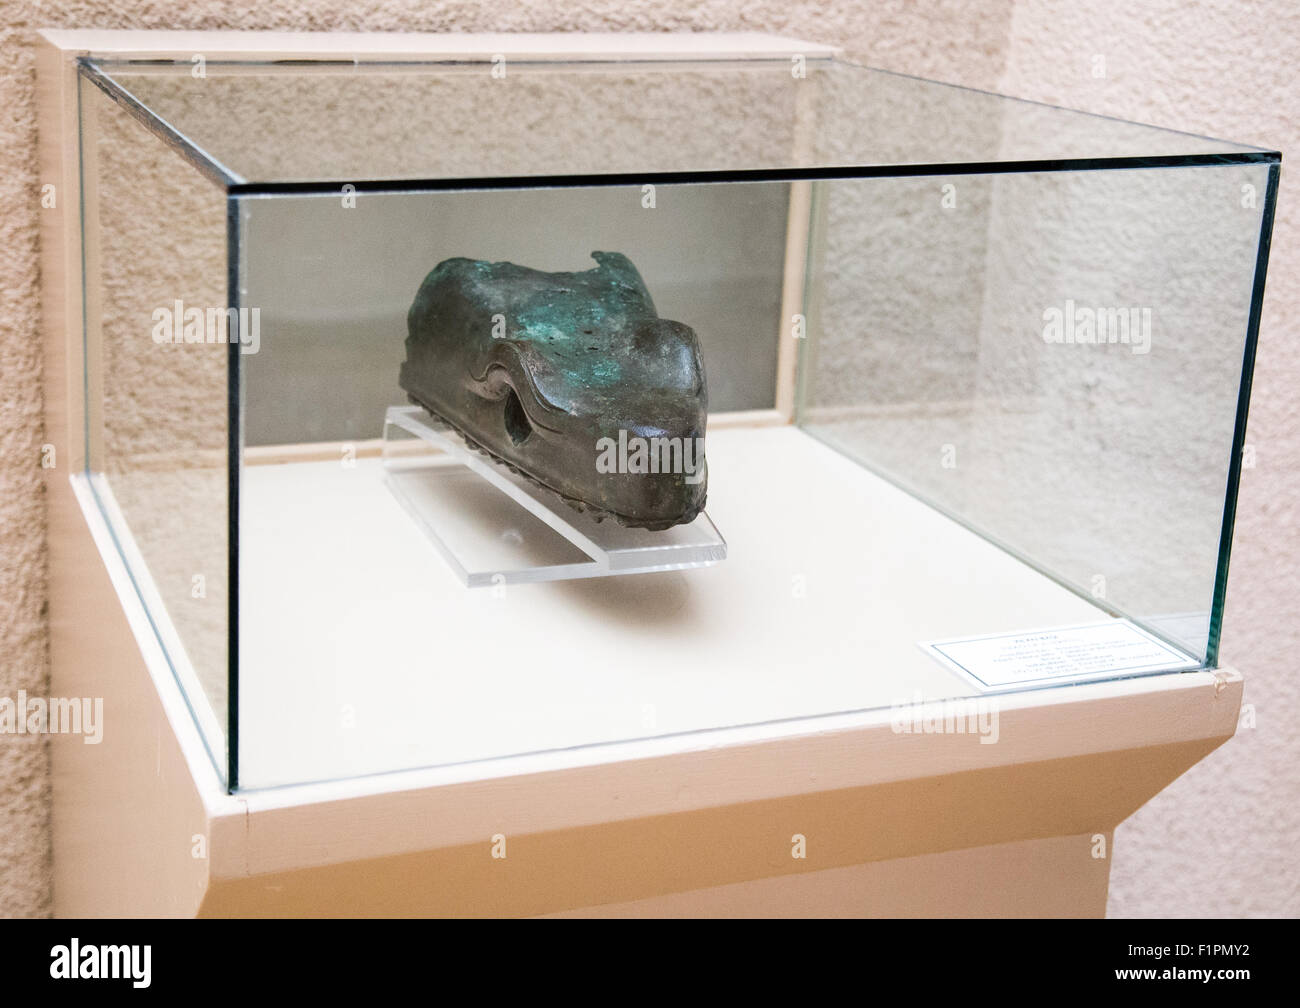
x=977 y=380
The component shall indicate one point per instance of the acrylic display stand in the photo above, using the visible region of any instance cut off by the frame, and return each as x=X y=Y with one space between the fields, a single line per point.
x=495 y=527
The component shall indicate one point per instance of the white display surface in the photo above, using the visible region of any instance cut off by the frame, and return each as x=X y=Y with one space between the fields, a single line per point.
x=361 y=652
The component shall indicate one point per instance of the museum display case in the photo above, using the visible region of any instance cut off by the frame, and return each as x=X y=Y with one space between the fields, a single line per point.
x=977 y=377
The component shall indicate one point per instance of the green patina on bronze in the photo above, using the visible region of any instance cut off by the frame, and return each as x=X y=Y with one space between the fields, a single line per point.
x=540 y=369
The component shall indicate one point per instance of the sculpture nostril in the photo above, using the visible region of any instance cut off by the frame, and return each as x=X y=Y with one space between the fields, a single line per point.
x=516 y=420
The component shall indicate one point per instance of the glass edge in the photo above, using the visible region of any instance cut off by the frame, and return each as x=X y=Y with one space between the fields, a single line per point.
x=234 y=474
x=164 y=65
x=82 y=84
x=1243 y=410
x=200 y=159
x=331 y=187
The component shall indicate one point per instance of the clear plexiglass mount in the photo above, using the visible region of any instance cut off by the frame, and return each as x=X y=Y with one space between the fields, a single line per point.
x=456 y=495
x=976 y=365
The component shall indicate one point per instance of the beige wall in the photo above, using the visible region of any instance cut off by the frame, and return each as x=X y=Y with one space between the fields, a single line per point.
x=1219 y=842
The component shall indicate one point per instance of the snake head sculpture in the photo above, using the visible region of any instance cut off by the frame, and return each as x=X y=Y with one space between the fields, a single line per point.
x=572 y=379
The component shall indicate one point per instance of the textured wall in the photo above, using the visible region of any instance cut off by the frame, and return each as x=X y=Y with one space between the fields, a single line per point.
x=1220 y=840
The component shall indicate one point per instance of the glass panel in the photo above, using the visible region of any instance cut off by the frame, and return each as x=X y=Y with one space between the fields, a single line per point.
x=1054 y=359
x=157 y=438
x=333 y=279
x=442 y=121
